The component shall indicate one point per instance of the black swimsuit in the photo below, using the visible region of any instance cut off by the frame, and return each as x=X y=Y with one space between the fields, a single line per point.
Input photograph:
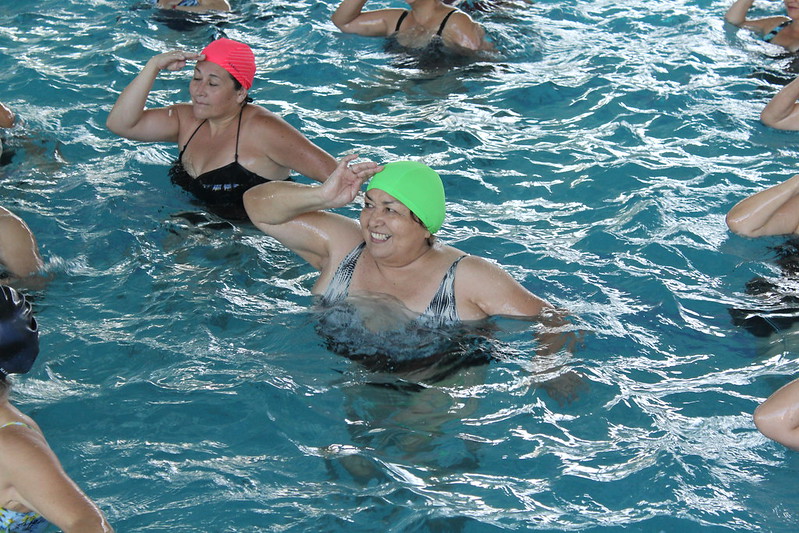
x=222 y=189
x=440 y=27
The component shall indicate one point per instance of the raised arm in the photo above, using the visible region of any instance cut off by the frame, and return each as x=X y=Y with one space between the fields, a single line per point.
x=736 y=16
x=19 y=252
x=773 y=211
x=782 y=112
x=129 y=119
x=349 y=17
x=42 y=485
x=778 y=417
x=292 y=212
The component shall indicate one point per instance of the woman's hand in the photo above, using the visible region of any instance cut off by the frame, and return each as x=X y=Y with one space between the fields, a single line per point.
x=174 y=60
x=345 y=182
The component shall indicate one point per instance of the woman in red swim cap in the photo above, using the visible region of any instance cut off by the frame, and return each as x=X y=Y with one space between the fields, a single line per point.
x=227 y=144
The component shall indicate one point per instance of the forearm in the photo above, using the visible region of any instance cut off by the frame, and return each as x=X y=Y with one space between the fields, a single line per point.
x=346 y=12
x=774 y=211
x=278 y=202
x=736 y=15
x=129 y=107
x=782 y=112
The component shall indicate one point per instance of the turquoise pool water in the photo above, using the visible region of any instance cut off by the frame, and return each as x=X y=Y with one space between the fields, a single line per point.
x=182 y=381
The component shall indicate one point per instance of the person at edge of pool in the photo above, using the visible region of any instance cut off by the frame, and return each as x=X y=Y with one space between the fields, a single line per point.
x=35 y=491
x=228 y=143
x=7 y=118
x=193 y=5
x=773 y=211
x=391 y=252
x=777 y=30
x=19 y=252
x=426 y=22
x=782 y=111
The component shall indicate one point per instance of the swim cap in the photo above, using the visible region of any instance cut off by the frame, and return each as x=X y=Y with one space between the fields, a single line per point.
x=417 y=186
x=19 y=333
x=235 y=57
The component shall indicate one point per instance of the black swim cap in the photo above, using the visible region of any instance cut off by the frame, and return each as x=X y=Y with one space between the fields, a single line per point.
x=19 y=333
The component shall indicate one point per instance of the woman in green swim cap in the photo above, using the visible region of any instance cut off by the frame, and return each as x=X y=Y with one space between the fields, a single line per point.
x=390 y=250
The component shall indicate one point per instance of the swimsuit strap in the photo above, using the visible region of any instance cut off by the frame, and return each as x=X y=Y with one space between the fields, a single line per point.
x=401 y=18
x=15 y=424
x=444 y=22
x=442 y=309
x=339 y=285
x=770 y=35
x=238 y=129
x=190 y=138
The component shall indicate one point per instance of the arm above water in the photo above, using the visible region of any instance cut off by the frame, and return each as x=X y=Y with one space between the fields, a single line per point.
x=129 y=118
x=349 y=17
x=32 y=469
x=465 y=35
x=782 y=112
x=778 y=417
x=736 y=15
x=6 y=116
x=289 y=148
x=294 y=213
x=19 y=252
x=773 y=211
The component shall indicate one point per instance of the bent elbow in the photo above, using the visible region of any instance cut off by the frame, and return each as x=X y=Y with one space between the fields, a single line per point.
x=738 y=225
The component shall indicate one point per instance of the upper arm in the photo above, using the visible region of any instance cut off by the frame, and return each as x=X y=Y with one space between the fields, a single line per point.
x=314 y=236
x=37 y=476
x=492 y=290
x=19 y=252
x=155 y=125
x=291 y=149
x=378 y=23
x=465 y=34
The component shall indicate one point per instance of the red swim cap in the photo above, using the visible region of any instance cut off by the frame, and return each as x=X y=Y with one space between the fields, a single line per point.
x=235 y=57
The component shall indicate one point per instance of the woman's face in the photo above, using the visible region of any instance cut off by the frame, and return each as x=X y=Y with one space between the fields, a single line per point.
x=213 y=92
x=390 y=230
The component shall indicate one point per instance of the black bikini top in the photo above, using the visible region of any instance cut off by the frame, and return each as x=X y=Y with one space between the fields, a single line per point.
x=440 y=27
x=222 y=189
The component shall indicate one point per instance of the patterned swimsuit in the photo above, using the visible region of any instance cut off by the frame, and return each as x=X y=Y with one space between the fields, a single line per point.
x=442 y=310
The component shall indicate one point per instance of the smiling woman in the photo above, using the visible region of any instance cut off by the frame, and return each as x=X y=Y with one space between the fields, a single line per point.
x=234 y=144
x=390 y=251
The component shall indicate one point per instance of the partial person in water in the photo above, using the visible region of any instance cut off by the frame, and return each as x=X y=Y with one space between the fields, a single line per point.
x=427 y=23
x=387 y=268
x=778 y=417
x=227 y=143
x=7 y=118
x=778 y=30
x=19 y=251
x=35 y=491
x=193 y=5
x=773 y=211
x=782 y=112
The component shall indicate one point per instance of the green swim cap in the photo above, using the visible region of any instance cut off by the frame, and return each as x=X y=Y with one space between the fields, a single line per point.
x=417 y=186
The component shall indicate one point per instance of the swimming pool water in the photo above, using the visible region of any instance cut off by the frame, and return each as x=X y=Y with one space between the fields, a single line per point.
x=182 y=381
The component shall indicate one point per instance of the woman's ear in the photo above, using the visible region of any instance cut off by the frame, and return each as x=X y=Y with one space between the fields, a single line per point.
x=241 y=95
